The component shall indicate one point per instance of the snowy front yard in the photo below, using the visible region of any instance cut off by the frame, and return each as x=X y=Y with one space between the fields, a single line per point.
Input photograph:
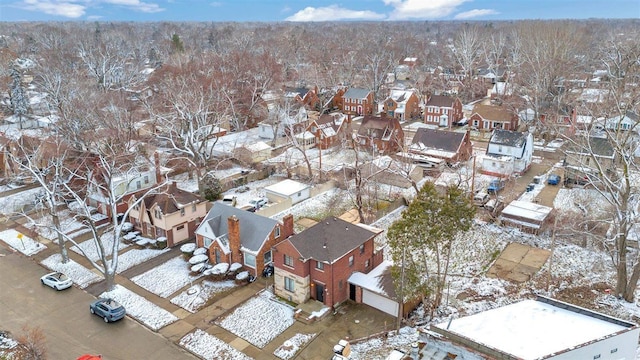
x=80 y=275
x=90 y=249
x=259 y=320
x=167 y=278
x=141 y=309
x=196 y=296
x=20 y=242
x=210 y=347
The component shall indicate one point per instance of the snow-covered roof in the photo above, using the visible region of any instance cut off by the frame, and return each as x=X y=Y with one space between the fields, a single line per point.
x=533 y=329
x=527 y=210
x=286 y=187
x=257 y=146
x=373 y=281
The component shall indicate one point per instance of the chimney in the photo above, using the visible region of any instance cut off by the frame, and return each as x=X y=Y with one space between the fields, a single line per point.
x=287 y=226
x=156 y=163
x=233 y=234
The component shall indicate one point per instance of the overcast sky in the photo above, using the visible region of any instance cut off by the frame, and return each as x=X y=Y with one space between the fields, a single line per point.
x=313 y=10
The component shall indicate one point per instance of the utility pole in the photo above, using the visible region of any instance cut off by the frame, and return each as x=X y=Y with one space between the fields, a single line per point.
x=401 y=294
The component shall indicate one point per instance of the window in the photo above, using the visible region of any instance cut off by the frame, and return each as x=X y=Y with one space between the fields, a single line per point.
x=351 y=260
x=138 y=185
x=614 y=350
x=250 y=260
x=362 y=249
x=596 y=356
x=288 y=260
x=182 y=212
x=193 y=208
x=319 y=265
x=299 y=193
x=340 y=285
x=366 y=263
x=277 y=232
x=476 y=123
x=180 y=227
x=207 y=242
x=146 y=179
x=159 y=232
x=158 y=214
x=289 y=284
x=267 y=257
x=499 y=148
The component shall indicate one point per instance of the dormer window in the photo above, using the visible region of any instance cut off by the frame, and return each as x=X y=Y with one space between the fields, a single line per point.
x=158 y=214
x=277 y=232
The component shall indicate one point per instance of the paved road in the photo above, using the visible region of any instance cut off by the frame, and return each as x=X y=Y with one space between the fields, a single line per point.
x=69 y=328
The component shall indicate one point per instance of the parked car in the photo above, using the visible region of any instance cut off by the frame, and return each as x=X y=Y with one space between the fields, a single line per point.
x=258 y=202
x=495 y=186
x=481 y=198
x=553 y=179
x=56 y=280
x=230 y=200
x=108 y=309
x=268 y=270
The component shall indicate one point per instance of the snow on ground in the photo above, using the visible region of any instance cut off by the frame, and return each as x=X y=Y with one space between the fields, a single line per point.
x=377 y=348
x=167 y=278
x=79 y=274
x=259 y=320
x=196 y=296
x=20 y=242
x=332 y=202
x=210 y=347
x=256 y=189
x=134 y=257
x=15 y=203
x=44 y=224
x=91 y=250
x=290 y=347
x=141 y=309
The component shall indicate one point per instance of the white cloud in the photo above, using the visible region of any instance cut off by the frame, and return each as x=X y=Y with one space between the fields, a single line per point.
x=216 y=3
x=475 y=13
x=136 y=5
x=422 y=9
x=333 y=12
x=54 y=7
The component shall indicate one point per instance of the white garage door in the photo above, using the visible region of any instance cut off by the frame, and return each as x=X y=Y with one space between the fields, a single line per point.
x=380 y=302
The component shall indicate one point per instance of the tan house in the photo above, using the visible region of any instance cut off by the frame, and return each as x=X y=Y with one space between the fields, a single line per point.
x=489 y=117
x=171 y=213
x=402 y=104
x=233 y=235
x=358 y=101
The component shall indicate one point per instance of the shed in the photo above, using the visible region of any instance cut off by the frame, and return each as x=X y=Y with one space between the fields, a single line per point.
x=253 y=153
x=526 y=216
x=288 y=189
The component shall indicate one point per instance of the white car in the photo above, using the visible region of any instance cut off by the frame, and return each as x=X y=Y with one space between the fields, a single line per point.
x=259 y=202
x=57 y=280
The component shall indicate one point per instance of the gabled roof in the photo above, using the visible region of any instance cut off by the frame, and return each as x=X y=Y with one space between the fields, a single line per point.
x=356 y=93
x=330 y=239
x=440 y=101
x=438 y=139
x=171 y=199
x=254 y=229
x=400 y=96
x=492 y=112
x=378 y=280
x=509 y=138
x=596 y=145
x=377 y=127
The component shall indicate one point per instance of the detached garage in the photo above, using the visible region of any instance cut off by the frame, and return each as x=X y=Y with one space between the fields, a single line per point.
x=288 y=189
x=376 y=289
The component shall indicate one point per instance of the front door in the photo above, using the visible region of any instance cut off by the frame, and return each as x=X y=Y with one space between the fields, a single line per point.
x=444 y=120
x=320 y=292
x=352 y=292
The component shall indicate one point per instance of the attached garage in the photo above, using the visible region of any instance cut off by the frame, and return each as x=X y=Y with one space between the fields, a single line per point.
x=380 y=302
x=376 y=289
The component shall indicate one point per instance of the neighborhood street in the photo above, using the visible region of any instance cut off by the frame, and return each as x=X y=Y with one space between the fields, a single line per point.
x=70 y=330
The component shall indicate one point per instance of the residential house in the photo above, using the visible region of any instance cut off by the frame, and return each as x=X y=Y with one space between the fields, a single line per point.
x=389 y=171
x=508 y=153
x=451 y=146
x=358 y=101
x=282 y=122
x=317 y=263
x=233 y=235
x=329 y=129
x=500 y=90
x=487 y=335
x=170 y=212
x=377 y=290
x=442 y=110
x=586 y=157
x=336 y=101
x=402 y=104
x=629 y=121
x=307 y=97
x=526 y=216
x=489 y=117
x=383 y=134
x=558 y=121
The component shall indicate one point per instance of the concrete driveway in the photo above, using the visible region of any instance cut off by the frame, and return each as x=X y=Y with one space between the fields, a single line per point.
x=70 y=330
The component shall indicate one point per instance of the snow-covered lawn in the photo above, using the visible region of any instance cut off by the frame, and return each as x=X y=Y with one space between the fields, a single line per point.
x=20 y=242
x=91 y=250
x=79 y=274
x=259 y=320
x=167 y=278
x=196 y=296
x=134 y=257
x=16 y=202
x=290 y=347
x=44 y=225
x=379 y=349
x=141 y=309
x=210 y=347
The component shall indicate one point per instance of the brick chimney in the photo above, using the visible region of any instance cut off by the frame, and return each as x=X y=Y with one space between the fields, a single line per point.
x=233 y=234
x=156 y=163
x=287 y=228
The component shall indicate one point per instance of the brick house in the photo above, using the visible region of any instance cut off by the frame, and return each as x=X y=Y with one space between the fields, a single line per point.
x=383 y=134
x=233 y=235
x=329 y=129
x=317 y=263
x=402 y=104
x=489 y=117
x=358 y=101
x=450 y=146
x=442 y=110
x=304 y=96
x=172 y=213
x=556 y=121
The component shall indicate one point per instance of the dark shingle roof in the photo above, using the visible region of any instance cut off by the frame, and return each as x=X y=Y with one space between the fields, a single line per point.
x=440 y=101
x=438 y=139
x=597 y=146
x=330 y=239
x=508 y=138
x=356 y=93
x=171 y=199
x=492 y=112
x=254 y=229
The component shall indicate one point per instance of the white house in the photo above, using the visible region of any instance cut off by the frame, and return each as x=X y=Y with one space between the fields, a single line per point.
x=288 y=189
x=282 y=122
x=541 y=329
x=627 y=122
x=508 y=153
